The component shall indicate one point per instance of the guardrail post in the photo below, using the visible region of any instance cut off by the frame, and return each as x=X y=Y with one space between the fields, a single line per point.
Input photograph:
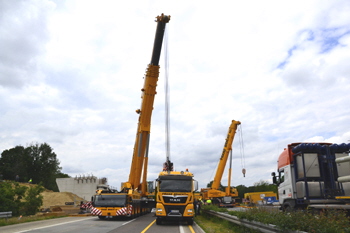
x=6 y=215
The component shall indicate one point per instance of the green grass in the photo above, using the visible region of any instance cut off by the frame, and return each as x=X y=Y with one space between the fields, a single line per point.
x=327 y=222
x=16 y=220
x=212 y=224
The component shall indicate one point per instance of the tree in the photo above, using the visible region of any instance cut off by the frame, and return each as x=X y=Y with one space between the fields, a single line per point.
x=221 y=187
x=11 y=197
x=260 y=186
x=33 y=200
x=11 y=163
x=36 y=162
x=44 y=166
x=242 y=189
x=263 y=186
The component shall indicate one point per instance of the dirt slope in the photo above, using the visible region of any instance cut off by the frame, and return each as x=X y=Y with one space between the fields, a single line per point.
x=51 y=198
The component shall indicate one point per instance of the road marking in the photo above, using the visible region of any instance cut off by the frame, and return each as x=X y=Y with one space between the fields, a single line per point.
x=191 y=228
x=53 y=225
x=148 y=226
x=129 y=221
x=181 y=229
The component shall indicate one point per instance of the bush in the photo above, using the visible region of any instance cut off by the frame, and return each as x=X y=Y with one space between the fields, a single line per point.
x=19 y=199
x=11 y=196
x=33 y=200
x=329 y=221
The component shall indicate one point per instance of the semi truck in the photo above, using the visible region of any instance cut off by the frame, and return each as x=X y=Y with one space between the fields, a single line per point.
x=175 y=196
x=135 y=197
x=218 y=197
x=313 y=176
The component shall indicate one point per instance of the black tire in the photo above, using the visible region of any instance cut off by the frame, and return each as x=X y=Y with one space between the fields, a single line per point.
x=287 y=208
x=159 y=221
x=101 y=217
x=190 y=221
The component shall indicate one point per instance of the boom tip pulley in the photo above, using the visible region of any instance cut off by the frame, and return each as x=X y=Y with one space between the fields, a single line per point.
x=163 y=18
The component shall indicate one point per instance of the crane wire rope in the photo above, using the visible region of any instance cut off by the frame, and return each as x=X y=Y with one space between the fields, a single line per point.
x=241 y=149
x=212 y=174
x=167 y=95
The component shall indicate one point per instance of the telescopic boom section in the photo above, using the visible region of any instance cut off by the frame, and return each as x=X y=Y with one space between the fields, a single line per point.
x=158 y=40
x=225 y=153
x=140 y=154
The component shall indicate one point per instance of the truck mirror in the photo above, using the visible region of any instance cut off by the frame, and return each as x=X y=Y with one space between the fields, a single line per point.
x=195 y=185
x=274 y=179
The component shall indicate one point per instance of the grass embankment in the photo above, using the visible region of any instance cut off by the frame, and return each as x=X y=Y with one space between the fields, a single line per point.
x=212 y=224
x=330 y=221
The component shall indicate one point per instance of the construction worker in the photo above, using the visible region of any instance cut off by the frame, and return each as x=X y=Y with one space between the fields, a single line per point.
x=208 y=202
x=198 y=206
x=30 y=181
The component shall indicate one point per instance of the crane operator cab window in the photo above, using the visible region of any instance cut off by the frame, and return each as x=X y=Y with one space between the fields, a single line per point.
x=110 y=200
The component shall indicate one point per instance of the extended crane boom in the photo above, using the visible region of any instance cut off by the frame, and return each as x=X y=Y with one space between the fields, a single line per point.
x=225 y=152
x=140 y=154
x=132 y=200
x=223 y=198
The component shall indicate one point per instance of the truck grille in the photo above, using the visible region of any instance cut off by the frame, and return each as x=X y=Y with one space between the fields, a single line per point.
x=174 y=199
x=175 y=211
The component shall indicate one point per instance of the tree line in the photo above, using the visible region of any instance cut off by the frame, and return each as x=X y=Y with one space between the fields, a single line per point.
x=36 y=162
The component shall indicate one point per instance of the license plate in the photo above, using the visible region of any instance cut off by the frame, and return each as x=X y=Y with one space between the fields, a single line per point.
x=174 y=211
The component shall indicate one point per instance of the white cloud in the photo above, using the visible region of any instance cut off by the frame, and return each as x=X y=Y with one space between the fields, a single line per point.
x=71 y=74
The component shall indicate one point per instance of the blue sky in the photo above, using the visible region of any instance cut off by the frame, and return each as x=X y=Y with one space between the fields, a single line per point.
x=71 y=74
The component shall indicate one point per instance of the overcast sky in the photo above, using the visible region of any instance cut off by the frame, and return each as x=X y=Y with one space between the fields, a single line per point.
x=71 y=74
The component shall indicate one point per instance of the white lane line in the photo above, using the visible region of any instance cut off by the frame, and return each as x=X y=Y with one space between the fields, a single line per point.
x=52 y=225
x=181 y=229
x=129 y=221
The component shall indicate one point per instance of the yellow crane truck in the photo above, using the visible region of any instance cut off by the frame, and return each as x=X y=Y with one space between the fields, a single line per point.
x=133 y=200
x=218 y=197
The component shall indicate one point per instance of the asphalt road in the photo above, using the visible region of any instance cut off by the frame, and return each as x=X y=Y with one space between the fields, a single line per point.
x=91 y=224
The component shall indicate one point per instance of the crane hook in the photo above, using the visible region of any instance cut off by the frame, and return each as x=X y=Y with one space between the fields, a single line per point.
x=243 y=171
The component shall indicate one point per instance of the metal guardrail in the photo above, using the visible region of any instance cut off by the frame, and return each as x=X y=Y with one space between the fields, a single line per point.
x=266 y=228
x=6 y=214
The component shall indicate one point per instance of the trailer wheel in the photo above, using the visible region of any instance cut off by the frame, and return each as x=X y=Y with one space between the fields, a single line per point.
x=287 y=208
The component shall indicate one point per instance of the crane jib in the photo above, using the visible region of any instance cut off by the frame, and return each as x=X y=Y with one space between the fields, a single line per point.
x=158 y=40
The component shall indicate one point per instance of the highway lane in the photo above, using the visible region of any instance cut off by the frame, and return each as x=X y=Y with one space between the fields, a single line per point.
x=67 y=224
x=91 y=224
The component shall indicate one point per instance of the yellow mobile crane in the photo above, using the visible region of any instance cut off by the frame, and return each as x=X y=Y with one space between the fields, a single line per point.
x=133 y=199
x=223 y=199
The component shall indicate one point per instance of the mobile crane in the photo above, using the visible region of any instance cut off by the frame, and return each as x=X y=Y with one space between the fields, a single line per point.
x=220 y=198
x=133 y=200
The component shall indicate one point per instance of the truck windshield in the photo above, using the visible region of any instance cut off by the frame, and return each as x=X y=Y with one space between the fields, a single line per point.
x=175 y=185
x=110 y=200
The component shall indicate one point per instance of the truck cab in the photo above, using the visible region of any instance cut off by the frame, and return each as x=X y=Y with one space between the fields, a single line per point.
x=310 y=176
x=175 y=196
